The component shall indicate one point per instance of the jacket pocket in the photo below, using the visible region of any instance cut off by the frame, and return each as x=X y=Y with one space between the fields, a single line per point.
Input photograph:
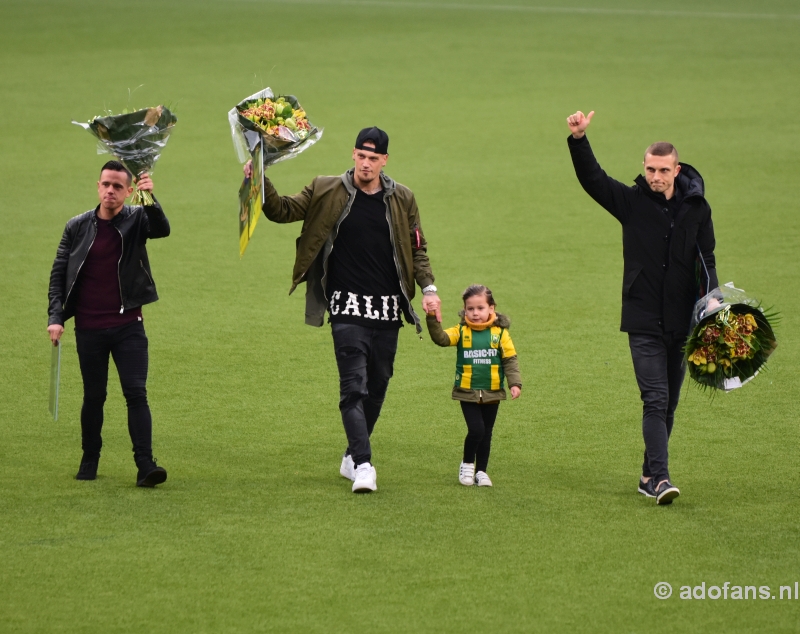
x=689 y=248
x=146 y=273
x=628 y=278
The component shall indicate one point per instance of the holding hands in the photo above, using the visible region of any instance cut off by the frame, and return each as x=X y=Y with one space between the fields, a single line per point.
x=432 y=305
x=578 y=123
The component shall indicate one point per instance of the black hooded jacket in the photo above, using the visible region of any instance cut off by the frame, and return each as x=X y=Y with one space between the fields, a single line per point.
x=135 y=226
x=663 y=275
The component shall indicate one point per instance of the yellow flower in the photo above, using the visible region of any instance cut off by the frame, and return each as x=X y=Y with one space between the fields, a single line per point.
x=698 y=357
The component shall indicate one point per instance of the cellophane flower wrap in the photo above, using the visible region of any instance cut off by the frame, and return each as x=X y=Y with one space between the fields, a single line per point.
x=731 y=339
x=135 y=139
x=280 y=123
x=266 y=129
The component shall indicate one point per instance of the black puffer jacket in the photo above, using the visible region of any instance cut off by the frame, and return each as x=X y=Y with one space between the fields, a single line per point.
x=660 y=280
x=135 y=225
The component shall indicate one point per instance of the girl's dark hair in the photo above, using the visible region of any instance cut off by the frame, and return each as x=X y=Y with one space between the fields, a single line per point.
x=479 y=289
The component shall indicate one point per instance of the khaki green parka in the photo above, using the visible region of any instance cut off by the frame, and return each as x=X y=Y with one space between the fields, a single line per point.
x=322 y=206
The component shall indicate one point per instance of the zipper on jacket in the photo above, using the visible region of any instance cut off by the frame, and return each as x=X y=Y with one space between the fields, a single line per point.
x=334 y=233
x=66 y=299
x=397 y=266
x=145 y=271
x=119 y=280
x=669 y=245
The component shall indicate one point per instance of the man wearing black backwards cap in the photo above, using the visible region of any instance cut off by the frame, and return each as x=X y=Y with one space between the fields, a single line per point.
x=366 y=283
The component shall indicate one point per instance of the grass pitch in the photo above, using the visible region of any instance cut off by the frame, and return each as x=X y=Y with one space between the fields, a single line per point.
x=255 y=531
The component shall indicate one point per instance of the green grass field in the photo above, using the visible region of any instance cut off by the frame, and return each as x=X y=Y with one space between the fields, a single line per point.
x=255 y=531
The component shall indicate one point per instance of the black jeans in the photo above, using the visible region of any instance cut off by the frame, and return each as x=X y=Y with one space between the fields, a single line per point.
x=128 y=346
x=365 y=357
x=658 y=363
x=480 y=419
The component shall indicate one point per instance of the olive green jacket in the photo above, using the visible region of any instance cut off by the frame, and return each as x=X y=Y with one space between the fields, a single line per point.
x=510 y=364
x=322 y=206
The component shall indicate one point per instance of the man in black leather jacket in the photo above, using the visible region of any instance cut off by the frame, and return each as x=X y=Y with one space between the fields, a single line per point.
x=101 y=277
x=667 y=234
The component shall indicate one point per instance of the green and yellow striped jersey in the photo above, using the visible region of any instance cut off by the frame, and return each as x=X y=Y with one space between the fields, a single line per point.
x=480 y=352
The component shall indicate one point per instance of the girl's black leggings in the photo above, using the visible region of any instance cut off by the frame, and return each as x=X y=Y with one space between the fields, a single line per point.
x=480 y=419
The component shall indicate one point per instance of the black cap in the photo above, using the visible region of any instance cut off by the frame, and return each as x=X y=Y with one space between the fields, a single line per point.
x=378 y=137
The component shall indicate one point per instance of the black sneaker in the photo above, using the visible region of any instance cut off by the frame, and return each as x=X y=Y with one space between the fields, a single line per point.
x=666 y=492
x=87 y=470
x=150 y=474
x=647 y=488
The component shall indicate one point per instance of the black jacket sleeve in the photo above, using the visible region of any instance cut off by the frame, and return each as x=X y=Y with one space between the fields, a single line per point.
x=156 y=223
x=58 y=278
x=610 y=194
x=706 y=244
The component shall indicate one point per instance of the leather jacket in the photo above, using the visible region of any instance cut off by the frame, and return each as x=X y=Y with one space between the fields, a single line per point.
x=135 y=225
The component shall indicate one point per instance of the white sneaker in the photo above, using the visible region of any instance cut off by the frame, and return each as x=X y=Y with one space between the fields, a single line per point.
x=466 y=474
x=347 y=468
x=482 y=480
x=365 y=478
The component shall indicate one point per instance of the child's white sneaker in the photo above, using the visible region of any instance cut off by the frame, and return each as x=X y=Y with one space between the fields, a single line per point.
x=466 y=474
x=348 y=468
x=366 y=479
x=482 y=480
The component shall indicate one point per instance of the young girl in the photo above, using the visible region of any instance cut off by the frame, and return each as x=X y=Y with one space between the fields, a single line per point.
x=486 y=355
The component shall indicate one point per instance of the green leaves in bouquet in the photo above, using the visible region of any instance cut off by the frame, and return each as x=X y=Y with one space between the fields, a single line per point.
x=281 y=121
x=732 y=342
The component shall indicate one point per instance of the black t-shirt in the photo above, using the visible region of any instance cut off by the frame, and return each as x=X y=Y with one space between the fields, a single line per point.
x=363 y=286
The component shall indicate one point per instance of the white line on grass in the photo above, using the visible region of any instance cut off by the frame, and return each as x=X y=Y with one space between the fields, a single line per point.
x=652 y=13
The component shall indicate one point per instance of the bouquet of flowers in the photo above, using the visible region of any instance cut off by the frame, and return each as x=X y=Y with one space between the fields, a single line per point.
x=280 y=123
x=731 y=339
x=266 y=129
x=135 y=139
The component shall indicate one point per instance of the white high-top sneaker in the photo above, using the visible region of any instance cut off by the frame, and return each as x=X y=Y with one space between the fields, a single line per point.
x=466 y=474
x=366 y=479
x=347 y=469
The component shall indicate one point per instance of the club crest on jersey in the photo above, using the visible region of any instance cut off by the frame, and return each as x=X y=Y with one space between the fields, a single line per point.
x=495 y=340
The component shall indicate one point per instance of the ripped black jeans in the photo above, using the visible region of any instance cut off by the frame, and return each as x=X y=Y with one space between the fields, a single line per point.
x=365 y=357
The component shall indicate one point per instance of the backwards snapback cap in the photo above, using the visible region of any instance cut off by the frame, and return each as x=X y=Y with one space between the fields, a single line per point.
x=378 y=137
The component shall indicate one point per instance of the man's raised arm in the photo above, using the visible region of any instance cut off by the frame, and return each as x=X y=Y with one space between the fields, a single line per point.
x=607 y=192
x=157 y=223
x=281 y=208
